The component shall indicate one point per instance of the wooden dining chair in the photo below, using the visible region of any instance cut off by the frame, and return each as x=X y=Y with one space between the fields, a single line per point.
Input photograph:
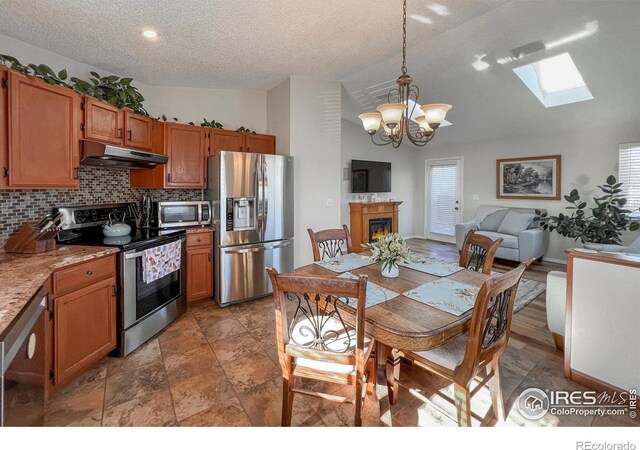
x=478 y=252
x=462 y=359
x=316 y=343
x=330 y=243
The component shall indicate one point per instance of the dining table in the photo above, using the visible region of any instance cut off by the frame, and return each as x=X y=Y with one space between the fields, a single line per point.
x=402 y=323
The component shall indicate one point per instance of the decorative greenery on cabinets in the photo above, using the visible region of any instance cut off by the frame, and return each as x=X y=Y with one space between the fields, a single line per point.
x=113 y=89
x=211 y=124
x=245 y=130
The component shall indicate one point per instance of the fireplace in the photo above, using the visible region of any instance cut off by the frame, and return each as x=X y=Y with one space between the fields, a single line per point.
x=379 y=227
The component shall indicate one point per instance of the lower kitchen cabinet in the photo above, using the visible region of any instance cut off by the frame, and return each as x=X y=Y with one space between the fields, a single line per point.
x=199 y=266
x=84 y=318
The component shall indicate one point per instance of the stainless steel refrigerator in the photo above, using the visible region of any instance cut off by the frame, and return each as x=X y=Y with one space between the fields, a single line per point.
x=252 y=199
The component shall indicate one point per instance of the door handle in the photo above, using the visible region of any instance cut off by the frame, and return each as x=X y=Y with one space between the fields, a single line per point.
x=129 y=135
x=456 y=208
x=120 y=133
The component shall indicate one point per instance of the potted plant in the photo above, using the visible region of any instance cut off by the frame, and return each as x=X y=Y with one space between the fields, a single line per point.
x=599 y=227
x=389 y=251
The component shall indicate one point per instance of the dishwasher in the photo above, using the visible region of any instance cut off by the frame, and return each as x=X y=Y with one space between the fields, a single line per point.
x=23 y=366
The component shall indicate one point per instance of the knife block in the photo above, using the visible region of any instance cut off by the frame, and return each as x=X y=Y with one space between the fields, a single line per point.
x=25 y=240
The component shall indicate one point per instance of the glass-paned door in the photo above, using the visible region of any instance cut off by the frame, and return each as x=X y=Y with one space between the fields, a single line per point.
x=443 y=207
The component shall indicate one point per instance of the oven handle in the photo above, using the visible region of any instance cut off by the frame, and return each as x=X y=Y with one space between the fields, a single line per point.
x=138 y=254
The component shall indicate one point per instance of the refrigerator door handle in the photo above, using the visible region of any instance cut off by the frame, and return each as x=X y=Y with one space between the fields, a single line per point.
x=259 y=195
x=245 y=250
x=265 y=196
x=281 y=245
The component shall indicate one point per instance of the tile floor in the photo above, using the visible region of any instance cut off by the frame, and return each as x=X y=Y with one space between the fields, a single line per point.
x=218 y=367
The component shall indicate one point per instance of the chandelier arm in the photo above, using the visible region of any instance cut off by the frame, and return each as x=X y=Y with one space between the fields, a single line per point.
x=380 y=143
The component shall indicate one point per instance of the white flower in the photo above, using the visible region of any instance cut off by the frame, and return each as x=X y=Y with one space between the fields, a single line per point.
x=389 y=250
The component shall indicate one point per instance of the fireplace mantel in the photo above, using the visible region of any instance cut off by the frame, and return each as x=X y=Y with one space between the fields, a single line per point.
x=362 y=212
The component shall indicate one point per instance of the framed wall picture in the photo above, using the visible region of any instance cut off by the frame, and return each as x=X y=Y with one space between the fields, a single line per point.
x=535 y=178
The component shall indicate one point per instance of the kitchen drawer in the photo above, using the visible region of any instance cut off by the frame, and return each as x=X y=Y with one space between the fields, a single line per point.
x=84 y=274
x=199 y=239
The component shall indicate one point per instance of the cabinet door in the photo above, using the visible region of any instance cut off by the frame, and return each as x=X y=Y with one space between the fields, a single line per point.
x=84 y=328
x=43 y=133
x=199 y=273
x=260 y=143
x=138 y=131
x=225 y=140
x=186 y=148
x=103 y=122
x=4 y=128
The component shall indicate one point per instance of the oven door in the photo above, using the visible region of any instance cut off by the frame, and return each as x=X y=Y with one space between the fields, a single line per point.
x=179 y=214
x=140 y=299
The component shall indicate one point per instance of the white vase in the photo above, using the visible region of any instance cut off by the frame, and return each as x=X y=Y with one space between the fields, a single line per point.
x=392 y=271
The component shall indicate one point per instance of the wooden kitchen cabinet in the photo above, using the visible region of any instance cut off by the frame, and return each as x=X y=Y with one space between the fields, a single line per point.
x=235 y=141
x=106 y=123
x=103 y=122
x=138 y=131
x=4 y=127
x=186 y=147
x=260 y=143
x=43 y=124
x=199 y=266
x=84 y=317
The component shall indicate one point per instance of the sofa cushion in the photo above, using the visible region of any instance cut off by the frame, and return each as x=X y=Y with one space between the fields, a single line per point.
x=514 y=223
x=492 y=221
x=509 y=240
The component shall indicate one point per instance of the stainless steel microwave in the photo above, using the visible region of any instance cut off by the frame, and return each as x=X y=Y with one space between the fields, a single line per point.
x=181 y=214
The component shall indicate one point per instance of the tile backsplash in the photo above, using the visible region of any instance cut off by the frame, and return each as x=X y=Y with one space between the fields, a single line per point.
x=97 y=185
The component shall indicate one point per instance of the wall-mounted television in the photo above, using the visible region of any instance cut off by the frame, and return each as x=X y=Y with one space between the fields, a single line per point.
x=370 y=176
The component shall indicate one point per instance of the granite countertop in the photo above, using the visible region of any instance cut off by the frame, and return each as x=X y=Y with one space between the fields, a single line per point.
x=191 y=230
x=22 y=275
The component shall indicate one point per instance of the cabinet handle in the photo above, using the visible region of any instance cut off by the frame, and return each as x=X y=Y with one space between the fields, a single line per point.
x=248 y=150
x=89 y=272
x=75 y=173
x=115 y=294
x=120 y=133
x=129 y=135
x=168 y=178
x=209 y=256
x=240 y=148
x=5 y=172
x=199 y=240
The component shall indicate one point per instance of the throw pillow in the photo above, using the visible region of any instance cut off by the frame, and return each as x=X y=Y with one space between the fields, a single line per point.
x=492 y=221
x=514 y=223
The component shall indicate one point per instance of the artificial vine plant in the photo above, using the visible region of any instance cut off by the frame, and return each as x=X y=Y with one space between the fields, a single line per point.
x=113 y=89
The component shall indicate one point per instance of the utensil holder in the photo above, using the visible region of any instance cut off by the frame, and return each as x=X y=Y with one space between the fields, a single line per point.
x=25 y=240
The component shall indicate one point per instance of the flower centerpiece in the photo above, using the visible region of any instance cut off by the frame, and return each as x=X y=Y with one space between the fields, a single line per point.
x=389 y=251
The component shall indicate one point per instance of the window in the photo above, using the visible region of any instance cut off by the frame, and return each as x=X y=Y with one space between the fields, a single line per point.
x=555 y=81
x=630 y=176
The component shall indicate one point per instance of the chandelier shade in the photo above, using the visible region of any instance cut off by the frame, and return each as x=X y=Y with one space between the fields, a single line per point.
x=394 y=117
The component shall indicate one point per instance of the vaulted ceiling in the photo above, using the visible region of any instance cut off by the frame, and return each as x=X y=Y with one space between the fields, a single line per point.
x=253 y=44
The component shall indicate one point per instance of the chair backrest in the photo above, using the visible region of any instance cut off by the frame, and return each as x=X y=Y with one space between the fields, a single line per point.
x=317 y=329
x=330 y=243
x=491 y=319
x=478 y=252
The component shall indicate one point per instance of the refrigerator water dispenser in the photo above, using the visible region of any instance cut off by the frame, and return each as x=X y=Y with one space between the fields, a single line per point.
x=241 y=214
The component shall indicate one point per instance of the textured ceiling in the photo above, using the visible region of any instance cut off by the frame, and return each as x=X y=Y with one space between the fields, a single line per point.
x=247 y=44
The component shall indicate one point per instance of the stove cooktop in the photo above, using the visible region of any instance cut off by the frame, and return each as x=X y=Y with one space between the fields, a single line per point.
x=136 y=239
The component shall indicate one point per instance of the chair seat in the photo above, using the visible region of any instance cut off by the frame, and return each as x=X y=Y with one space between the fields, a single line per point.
x=338 y=347
x=509 y=241
x=449 y=355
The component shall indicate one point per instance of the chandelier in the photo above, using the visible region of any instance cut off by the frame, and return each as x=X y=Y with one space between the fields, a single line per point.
x=393 y=118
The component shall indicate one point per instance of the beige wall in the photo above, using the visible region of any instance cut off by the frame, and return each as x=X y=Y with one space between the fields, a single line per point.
x=233 y=108
x=588 y=157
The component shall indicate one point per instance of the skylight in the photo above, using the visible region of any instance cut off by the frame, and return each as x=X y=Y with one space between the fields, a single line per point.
x=555 y=81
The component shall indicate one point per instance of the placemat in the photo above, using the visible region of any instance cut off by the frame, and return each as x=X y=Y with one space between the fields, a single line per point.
x=375 y=293
x=344 y=263
x=431 y=265
x=447 y=295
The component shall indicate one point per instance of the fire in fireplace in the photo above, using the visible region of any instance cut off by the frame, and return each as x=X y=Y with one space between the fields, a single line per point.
x=379 y=228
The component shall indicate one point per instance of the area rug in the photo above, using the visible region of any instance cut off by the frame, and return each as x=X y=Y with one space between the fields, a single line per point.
x=528 y=291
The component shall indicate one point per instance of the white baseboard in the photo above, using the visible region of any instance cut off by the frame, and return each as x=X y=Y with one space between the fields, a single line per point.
x=413 y=237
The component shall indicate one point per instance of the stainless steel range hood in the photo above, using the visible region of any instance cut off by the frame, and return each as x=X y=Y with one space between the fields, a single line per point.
x=105 y=155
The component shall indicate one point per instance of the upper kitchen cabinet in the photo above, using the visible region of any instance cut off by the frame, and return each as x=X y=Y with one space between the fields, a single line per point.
x=103 y=122
x=42 y=120
x=225 y=140
x=186 y=147
x=260 y=143
x=138 y=131
x=220 y=140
